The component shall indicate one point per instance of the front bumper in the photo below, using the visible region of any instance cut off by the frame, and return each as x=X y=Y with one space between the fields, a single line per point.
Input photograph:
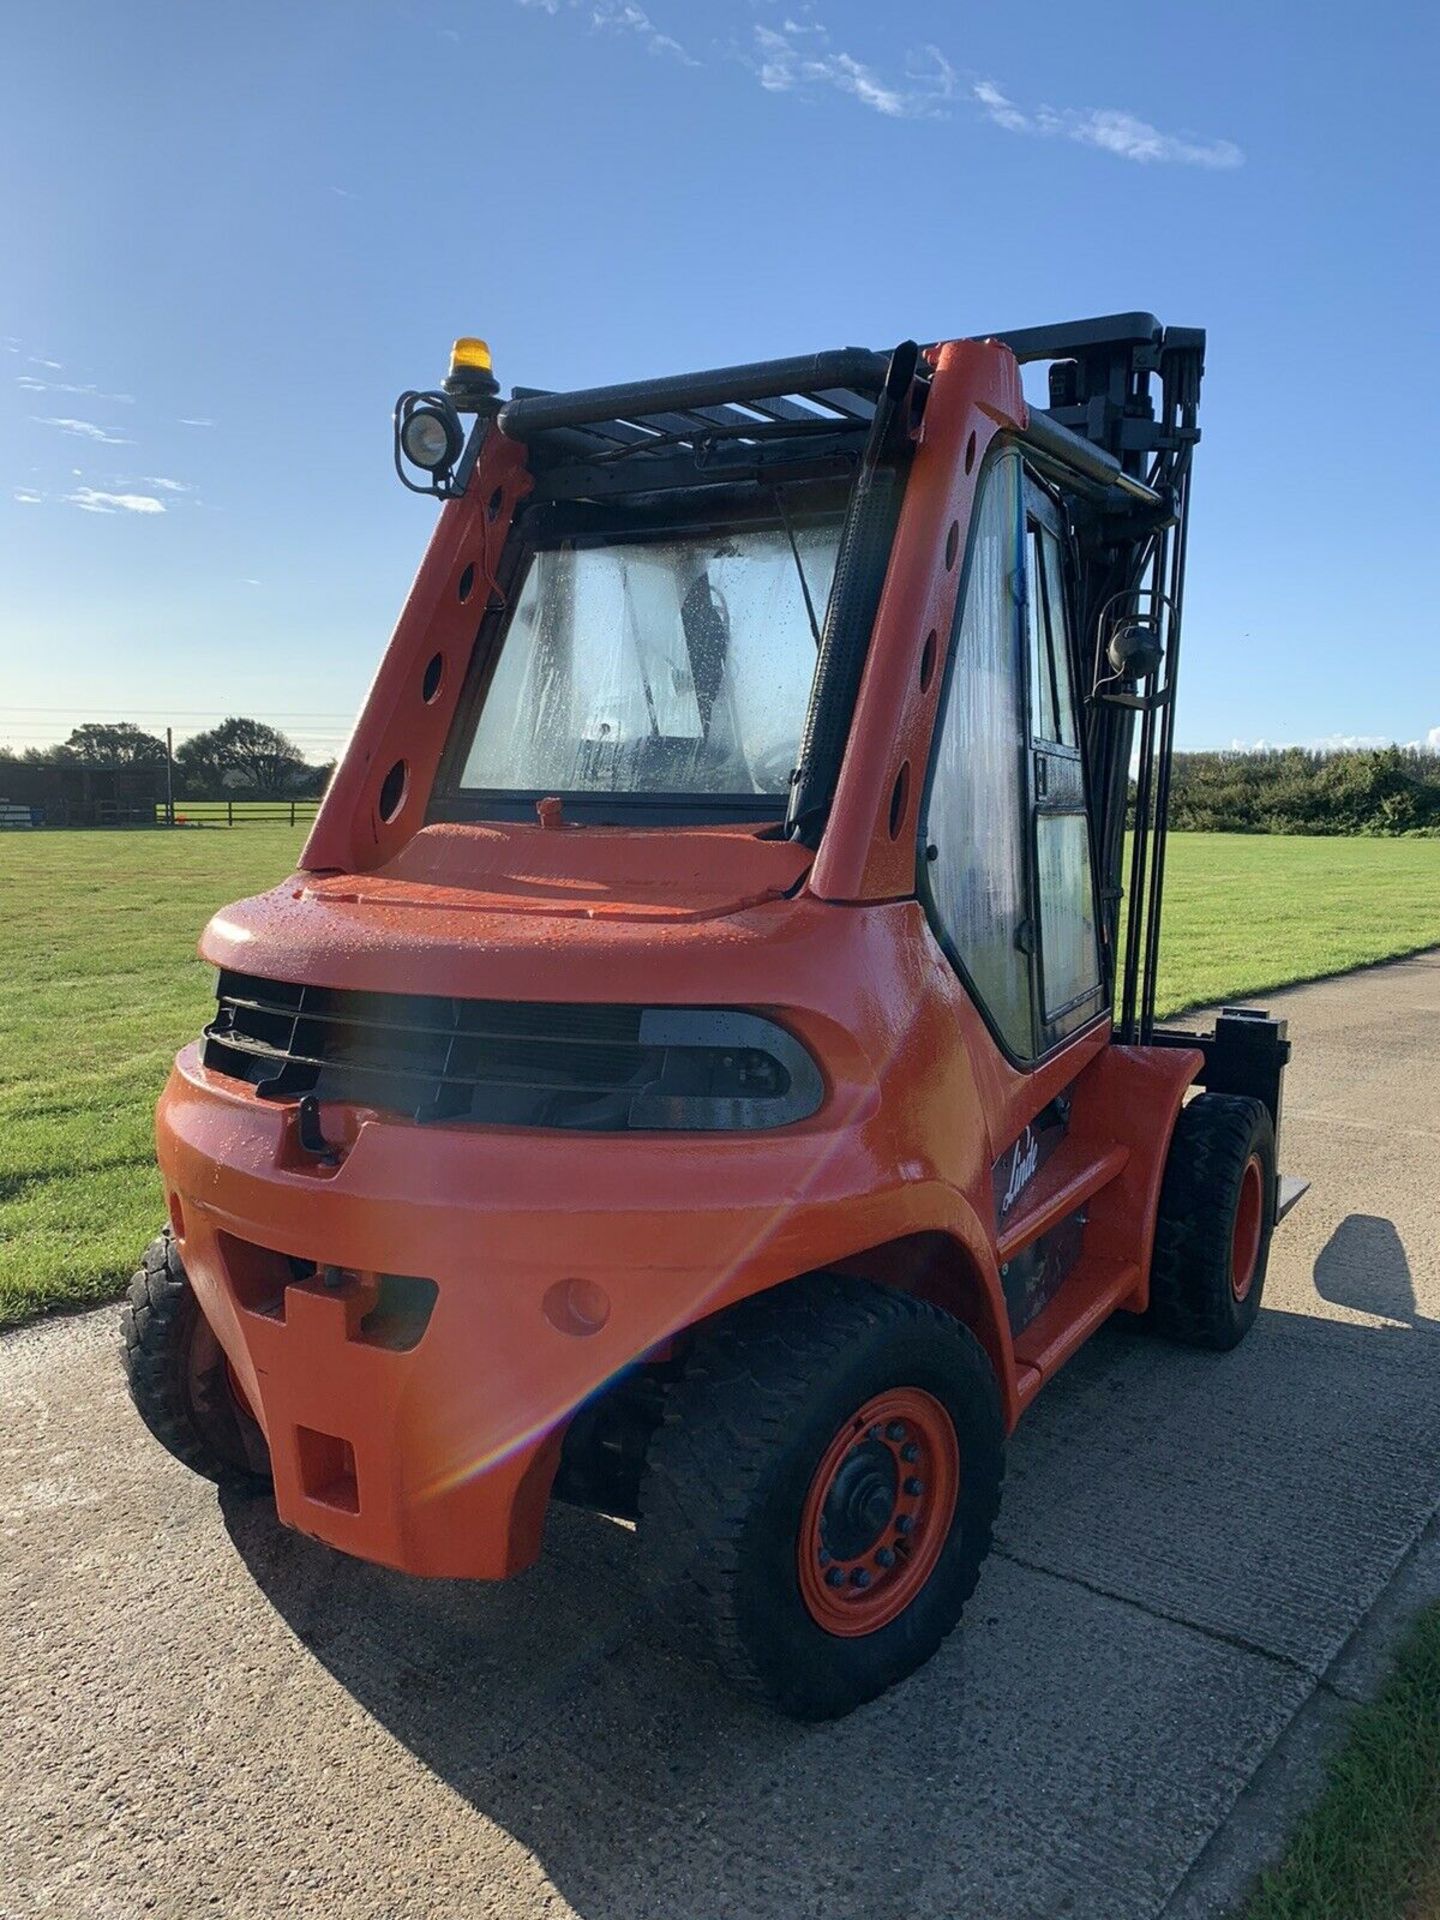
x=548 y=1262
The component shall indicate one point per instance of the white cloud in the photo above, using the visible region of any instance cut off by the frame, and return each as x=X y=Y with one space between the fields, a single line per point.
x=86 y=430
x=166 y=486
x=1110 y=129
x=32 y=385
x=54 y=366
x=799 y=57
x=997 y=108
x=197 y=423
x=1349 y=742
x=27 y=496
x=91 y=501
x=619 y=16
x=796 y=58
x=1327 y=743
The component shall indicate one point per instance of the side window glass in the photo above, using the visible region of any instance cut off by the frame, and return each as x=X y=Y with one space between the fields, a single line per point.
x=1044 y=696
x=1069 y=950
x=977 y=811
x=1059 y=695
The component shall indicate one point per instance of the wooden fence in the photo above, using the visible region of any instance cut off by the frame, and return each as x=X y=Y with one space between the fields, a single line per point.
x=242 y=813
x=188 y=813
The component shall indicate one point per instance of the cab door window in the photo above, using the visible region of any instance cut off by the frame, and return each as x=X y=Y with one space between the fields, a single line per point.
x=976 y=828
x=1070 y=989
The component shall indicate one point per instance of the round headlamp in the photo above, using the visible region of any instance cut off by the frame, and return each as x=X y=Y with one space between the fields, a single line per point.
x=430 y=440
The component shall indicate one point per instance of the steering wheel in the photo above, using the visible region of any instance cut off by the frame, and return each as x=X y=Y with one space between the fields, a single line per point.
x=771 y=768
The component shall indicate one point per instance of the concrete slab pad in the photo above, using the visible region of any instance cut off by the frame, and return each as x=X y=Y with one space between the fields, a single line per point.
x=1265 y=1495
x=244 y=1714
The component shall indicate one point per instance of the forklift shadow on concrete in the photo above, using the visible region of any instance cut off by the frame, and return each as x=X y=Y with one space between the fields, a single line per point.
x=1188 y=1543
x=1363 y=1266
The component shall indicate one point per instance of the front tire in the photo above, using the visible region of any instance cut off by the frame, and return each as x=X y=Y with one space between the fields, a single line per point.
x=180 y=1380
x=820 y=1496
x=1216 y=1215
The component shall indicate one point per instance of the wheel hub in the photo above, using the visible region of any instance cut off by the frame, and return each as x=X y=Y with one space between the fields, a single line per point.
x=860 y=1502
x=878 y=1512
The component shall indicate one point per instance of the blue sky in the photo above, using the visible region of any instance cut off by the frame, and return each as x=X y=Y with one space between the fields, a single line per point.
x=230 y=236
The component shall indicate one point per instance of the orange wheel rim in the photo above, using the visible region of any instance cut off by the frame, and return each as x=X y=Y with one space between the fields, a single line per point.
x=878 y=1512
x=1245 y=1236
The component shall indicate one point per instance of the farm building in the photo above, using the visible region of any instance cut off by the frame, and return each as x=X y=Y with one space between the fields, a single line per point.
x=68 y=793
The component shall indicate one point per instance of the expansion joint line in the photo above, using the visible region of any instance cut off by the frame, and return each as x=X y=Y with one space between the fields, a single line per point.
x=1172 y=1618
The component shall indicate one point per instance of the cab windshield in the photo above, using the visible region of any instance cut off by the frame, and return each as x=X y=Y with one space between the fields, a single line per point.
x=664 y=663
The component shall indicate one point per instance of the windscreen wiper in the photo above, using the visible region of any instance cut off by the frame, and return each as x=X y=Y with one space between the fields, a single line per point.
x=799 y=566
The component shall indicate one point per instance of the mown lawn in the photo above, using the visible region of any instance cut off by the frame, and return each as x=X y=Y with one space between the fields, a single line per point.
x=1245 y=913
x=101 y=985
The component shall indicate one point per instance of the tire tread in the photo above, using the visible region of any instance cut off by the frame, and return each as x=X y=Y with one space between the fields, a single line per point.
x=154 y=1325
x=1190 y=1299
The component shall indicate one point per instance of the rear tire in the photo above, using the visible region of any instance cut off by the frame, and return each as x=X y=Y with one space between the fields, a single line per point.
x=830 y=1430
x=180 y=1380
x=1216 y=1215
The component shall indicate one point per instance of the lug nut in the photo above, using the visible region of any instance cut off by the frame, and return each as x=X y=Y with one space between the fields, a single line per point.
x=873 y=1434
x=914 y=1487
x=895 y=1430
x=859 y=1578
x=885 y=1558
x=910 y=1454
x=835 y=1578
x=903 y=1524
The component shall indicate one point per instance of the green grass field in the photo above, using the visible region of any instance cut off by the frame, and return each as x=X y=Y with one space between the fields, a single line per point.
x=97 y=945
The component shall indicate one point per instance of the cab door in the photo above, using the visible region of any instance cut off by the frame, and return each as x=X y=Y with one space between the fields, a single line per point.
x=1069 y=985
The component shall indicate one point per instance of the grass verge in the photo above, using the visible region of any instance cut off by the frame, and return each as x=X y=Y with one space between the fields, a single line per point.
x=97 y=953
x=101 y=986
x=1246 y=913
x=1370 y=1847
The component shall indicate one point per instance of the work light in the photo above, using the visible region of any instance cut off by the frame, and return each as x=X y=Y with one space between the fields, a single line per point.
x=431 y=440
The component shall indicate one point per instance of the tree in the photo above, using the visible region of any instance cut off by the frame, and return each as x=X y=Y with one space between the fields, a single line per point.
x=121 y=745
x=317 y=779
x=241 y=753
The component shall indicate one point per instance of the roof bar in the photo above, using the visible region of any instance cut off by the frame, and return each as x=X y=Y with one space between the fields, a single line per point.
x=761 y=380
x=1073 y=338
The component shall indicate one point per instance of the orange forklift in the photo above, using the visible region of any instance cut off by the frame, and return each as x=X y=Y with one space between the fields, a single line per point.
x=706 y=1066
